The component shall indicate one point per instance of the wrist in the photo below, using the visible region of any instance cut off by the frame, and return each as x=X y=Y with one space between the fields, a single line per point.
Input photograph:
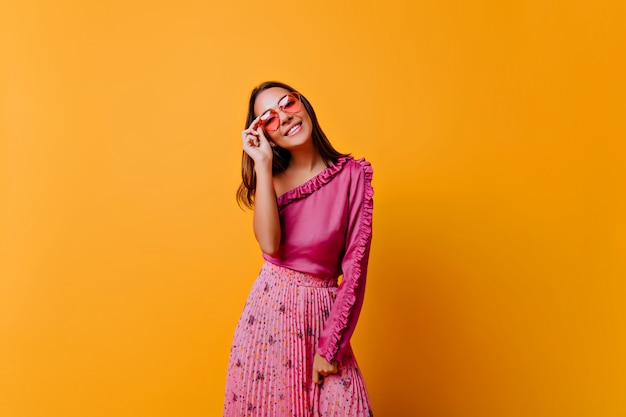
x=317 y=353
x=263 y=167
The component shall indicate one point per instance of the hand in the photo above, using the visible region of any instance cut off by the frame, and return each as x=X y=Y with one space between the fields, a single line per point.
x=322 y=368
x=256 y=145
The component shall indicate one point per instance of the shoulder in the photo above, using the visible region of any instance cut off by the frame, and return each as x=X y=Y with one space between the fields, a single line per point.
x=357 y=177
x=359 y=167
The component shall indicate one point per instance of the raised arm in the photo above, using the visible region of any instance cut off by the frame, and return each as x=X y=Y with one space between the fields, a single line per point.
x=266 y=222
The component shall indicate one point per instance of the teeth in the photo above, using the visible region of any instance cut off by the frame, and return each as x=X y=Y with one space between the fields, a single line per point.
x=293 y=129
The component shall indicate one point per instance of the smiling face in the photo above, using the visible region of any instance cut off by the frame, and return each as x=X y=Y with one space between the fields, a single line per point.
x=294 y=129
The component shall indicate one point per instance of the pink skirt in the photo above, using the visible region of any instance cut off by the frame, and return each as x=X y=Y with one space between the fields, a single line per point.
x=270 y=366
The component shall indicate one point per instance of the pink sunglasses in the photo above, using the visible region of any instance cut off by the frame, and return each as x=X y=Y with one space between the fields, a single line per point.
x=270 y=120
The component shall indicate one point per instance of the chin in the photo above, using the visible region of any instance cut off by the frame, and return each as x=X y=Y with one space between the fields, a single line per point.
x=300 y=138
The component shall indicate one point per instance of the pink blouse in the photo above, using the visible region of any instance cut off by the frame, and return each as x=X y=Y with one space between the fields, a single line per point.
x=326 y=228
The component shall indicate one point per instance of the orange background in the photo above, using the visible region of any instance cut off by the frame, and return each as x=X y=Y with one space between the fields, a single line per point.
x=497 y=132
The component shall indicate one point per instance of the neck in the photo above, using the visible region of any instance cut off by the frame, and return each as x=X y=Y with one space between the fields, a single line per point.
x=305 y=159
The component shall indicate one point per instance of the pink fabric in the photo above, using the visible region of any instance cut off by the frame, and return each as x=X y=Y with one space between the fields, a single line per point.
x=326 y=232
x=269 y=371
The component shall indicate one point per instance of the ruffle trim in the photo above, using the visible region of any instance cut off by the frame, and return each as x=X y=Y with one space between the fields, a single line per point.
x=314 y=183
x=362 y=240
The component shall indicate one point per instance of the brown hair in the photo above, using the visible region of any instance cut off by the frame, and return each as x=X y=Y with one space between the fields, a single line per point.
x=281 y=156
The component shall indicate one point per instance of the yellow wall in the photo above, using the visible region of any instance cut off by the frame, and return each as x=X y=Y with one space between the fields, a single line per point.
x=496 y=129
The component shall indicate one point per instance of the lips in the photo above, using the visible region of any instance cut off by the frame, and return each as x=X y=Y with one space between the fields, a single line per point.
x=294 y=129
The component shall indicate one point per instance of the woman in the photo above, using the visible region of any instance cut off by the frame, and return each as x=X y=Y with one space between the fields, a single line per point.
x=291 y=353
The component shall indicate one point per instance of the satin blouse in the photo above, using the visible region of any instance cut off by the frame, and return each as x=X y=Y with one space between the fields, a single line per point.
x=326 y=231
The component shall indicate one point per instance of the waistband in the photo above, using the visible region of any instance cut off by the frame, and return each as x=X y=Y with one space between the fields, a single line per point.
x=298 y=278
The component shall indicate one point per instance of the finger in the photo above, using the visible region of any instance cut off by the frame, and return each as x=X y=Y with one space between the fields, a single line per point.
x=259 y=131
x=329 y=370
x=317 y=379
x=250 y=140
x=262 y=138
x=248 y=132
x=254 y=122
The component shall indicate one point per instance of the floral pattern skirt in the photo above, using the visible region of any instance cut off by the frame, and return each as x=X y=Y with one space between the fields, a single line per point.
x=271 y=359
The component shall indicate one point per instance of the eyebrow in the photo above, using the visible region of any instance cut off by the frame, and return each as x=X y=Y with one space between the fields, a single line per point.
x=279 y=100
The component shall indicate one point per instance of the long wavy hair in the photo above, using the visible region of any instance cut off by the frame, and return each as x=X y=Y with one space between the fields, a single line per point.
x=281 y=156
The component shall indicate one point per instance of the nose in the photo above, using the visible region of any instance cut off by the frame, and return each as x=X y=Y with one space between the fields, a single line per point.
x=284 y=117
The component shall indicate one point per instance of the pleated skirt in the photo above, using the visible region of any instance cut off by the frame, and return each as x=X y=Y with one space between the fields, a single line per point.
x=271 y=359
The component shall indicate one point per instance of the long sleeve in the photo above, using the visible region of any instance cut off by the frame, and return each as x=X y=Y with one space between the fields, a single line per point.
x=344 y=314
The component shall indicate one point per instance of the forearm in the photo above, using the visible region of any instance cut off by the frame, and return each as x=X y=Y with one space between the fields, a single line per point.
x=266 y=222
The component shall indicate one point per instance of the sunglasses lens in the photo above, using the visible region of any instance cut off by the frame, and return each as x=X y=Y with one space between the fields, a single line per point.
x=269 y=121
x=290 y=103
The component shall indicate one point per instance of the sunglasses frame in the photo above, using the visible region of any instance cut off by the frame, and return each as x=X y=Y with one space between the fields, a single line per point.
x=281 y=108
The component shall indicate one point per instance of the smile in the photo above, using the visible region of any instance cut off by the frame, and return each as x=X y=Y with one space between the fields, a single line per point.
x=294 y=129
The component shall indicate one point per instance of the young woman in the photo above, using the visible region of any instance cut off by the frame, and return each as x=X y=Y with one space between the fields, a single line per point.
x=291 y=353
